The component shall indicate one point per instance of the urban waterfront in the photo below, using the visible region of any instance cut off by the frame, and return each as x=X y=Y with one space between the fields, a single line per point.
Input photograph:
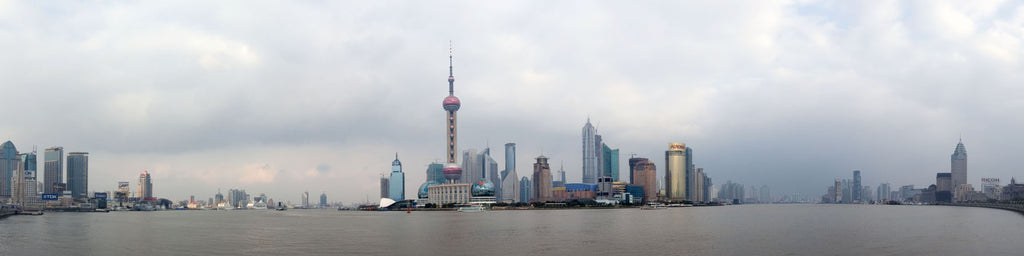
x=727 y=230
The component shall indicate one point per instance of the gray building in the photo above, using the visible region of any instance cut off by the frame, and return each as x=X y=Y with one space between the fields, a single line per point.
x=78 y=175
x=435 y=173
x=385 y=188
x=323 y=200
x=525 y=189
x=9 y=164
x=958 y=165
x=856 y=189
x=145 y=185
x=883 y=192
x=589 y=153
x=472 y=168
x=509 y=178
x=53 y=170
x=491 y=172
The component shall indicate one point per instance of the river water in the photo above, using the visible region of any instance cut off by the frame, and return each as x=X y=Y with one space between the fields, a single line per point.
x=725 y=230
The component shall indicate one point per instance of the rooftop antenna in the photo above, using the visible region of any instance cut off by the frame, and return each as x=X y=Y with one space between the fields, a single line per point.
x=451 y=74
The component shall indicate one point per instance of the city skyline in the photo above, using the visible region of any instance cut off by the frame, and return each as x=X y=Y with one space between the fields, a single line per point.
x=788 y=95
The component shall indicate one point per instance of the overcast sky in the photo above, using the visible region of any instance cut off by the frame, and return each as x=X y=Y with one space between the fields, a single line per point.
x=285 y=97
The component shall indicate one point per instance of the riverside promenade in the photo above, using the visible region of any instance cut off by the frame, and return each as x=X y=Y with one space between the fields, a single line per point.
x=1016 y=206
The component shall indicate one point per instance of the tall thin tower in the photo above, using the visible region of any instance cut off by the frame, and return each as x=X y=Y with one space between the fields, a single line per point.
x=451 y=104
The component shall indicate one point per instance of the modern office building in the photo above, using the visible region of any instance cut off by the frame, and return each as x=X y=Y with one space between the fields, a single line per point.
x=491 y=172
x=958 y=165
x=78 y=175
x=645 y=174
x=305 y=199
x=323 y=200
x=53 y=170
x=605 y=188
x=509 y=177
x=451 y=104
x=610 y=157
x=632 y=163
x=385 y=187
x=9 y=164
x=598 y=155
x=237 y=198
x=435 y=173
x=472 y=166
x=698 y=188
x=541 y=180
x=396 y=183
x=838 y=193
x=675 y=172
x=944 y=187
x=145 y=185
x=856 y=188
x=25 y=193
x=525 y=190
x=589 y=153
x=731 y=193
x=883 y=192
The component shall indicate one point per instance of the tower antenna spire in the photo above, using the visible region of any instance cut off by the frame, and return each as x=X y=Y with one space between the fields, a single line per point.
x=451 y=73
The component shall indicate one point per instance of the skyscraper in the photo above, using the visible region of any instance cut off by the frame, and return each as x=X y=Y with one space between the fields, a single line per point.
x=435 y=173
x=646 y=174
x=691 y=175
x=53 y=170
x=9 y=164
x=509 y=179
x=27 y=179
x=856 y=189
x=675 y=172
x=305 y=199
x=525 y=190
x=385 y=187
x=611 y=162
x=145 y=185
x=589 y=153
x=883 y=192
x=472 y=168
x=958 y=164
x=598 y=154
x=397 y=181
x=838 y=187
x=451 y=105
x=78 y=175
x=541 y=180
x=490 y=168
x=323 y=200
x=633 y=161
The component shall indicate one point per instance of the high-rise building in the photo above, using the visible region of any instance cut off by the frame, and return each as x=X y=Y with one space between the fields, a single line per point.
x=451 y=104
x=145 y=186
x=78 y=175
x=53 y=170
x=698 y=189
x=856 y=189
x=396 y=183
x=691 y=175
x=9 y=164
x=385 y=187
x=598 y=155
x=435 y=173
x=731 y=193
x=490 y=168
x=632 y=164
x=610 y=157
x=25 y=193
x=589 y=153
x=838 y=191
x=958 y=165
x=237 y=198
x=645 y=174
x=525 y=190
x=541 y=180
x=472 y=168
x=883 y=192
x=305 y=199
x=675 y=172
x=708 y=187
x=509 y=179
x=323 y=200
x=847 y=191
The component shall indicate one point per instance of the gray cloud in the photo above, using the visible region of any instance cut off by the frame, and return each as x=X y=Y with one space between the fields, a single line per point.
x=788 y=94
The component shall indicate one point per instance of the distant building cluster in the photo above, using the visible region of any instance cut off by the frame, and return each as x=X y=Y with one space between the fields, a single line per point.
x=949 y=187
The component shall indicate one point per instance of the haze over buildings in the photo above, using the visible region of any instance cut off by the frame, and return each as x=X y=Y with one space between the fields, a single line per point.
x=766 y=91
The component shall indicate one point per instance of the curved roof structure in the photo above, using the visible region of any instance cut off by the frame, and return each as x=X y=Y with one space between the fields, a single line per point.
x=385 y=202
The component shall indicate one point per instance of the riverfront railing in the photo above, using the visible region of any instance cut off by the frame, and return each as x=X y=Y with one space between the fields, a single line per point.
x=1017 y=206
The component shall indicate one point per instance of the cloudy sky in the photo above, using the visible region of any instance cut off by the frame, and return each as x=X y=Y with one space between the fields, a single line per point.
x=285 y=97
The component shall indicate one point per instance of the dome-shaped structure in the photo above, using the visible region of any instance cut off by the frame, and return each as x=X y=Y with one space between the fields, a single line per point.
x=422 y=192
x=451 y=103
x=482 y=187
x=452 y=171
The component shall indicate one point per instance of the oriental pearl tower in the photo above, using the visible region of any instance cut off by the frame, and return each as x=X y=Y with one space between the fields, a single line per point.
x=452 y=171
